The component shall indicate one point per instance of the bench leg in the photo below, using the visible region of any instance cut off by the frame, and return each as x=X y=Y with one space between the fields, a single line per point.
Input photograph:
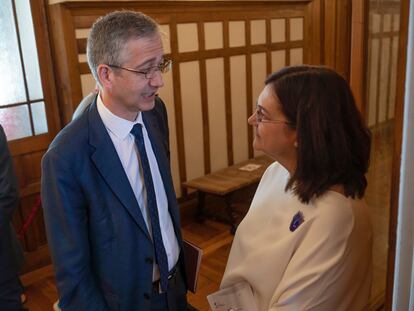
x=200 y=217
x=230 y=213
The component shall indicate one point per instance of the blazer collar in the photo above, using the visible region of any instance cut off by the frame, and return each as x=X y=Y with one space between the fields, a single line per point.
x=108 y=164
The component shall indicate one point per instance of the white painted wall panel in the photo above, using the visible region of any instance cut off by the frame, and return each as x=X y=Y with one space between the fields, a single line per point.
x=278 y=60
x=278 y=29
x=88 y=84
x=213 y=35
x=192 y=118
x=237 y=36
x=81 y=33
x=296 y=29
x=258 y=77
x=296 y=56
x=166 y=93
x=239 y=108
x=216 y=113
x=187 y=37
x=258 y=31
x=165 y=36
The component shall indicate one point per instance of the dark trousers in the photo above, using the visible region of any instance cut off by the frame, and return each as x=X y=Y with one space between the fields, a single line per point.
x=175 y=299
x=10 y=292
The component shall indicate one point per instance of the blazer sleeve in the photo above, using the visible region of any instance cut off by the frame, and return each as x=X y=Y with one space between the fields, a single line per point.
x=314 y=278
x=66 y=219
x=9 y=194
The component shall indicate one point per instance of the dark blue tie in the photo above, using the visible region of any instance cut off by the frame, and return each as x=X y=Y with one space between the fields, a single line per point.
x=160 y=254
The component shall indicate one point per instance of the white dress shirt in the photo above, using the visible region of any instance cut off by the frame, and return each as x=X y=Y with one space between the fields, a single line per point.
x=119 y=130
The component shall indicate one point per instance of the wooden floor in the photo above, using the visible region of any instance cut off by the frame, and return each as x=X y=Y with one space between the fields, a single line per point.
x=215 y=240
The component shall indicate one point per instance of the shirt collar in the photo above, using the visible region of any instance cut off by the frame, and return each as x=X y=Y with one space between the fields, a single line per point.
x=118 y=126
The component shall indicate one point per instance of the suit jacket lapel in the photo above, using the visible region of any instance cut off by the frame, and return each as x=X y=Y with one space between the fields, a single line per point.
x=157 y=142
x=109 y=166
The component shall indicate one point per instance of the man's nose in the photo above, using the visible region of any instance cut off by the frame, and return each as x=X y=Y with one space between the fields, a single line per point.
x=157 y=80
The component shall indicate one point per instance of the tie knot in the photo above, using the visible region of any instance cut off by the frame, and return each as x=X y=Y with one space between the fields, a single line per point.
x=137 y=131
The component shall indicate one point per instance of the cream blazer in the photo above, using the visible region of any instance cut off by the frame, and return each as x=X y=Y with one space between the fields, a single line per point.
x=325 y=264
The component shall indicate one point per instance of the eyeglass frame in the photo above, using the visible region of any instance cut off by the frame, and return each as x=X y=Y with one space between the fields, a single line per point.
x=259 y=118
x=162 y=67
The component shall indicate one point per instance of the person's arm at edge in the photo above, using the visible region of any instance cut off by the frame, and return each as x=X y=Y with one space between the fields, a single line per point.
x=9 y=192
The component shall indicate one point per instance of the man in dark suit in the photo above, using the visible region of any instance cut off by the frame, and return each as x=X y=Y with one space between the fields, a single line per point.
x=110 y=209
x=11 y=256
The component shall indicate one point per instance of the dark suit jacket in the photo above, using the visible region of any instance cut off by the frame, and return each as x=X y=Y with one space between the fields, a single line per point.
x=99 y=242
x=11 y=256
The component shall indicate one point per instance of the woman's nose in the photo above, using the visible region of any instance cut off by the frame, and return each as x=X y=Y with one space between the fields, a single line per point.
x=252 y=120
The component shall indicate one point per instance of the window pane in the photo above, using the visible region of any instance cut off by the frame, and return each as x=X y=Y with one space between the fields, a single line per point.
x=11 y=76
x=28 y=42
x=16 y=122
x=39 y=118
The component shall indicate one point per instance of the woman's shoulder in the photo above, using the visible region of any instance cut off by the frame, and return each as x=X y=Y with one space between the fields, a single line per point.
x=337 y=211
x=275 y=170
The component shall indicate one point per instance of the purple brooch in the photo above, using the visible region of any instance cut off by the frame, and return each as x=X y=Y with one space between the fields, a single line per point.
x=297 y=220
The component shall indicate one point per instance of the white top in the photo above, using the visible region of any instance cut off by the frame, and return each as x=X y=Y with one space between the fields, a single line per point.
x=325 y=264
x=120 y=132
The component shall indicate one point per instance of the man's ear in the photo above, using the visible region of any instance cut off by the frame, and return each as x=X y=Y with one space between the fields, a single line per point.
x=105 y=75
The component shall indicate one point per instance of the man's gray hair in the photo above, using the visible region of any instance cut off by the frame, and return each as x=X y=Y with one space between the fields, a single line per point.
x=111 y=32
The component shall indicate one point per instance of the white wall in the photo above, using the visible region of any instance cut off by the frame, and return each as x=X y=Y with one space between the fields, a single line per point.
x=403 y=296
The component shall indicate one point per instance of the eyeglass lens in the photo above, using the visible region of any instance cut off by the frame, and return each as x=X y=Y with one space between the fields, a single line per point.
x=164 y=67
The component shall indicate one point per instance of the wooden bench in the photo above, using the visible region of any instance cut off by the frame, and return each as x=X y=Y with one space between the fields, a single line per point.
x=226 y=181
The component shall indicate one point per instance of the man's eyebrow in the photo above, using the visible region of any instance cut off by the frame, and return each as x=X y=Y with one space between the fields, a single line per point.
x=150 y=61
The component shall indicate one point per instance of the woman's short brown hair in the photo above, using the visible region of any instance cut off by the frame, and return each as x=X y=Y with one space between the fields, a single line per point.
x=333 y=142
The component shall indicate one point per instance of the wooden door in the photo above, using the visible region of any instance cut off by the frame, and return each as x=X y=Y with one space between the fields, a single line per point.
x=28 y=114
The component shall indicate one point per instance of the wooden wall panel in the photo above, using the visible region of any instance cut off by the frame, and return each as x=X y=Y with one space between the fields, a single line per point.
x=393 y=77
x=278 y=31
x=242 y=24
x=383 y=38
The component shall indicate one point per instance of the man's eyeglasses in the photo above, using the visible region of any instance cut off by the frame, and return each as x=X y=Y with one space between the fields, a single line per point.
x=149 y=73
x=260 y=118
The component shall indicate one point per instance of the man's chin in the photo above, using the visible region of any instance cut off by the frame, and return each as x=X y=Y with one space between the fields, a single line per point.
x=147 y=105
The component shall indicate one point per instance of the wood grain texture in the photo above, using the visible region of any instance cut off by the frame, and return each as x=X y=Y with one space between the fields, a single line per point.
x=231 y=178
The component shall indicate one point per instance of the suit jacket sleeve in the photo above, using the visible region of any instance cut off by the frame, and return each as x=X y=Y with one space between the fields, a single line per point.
x=66 y=219
x=9 y=195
